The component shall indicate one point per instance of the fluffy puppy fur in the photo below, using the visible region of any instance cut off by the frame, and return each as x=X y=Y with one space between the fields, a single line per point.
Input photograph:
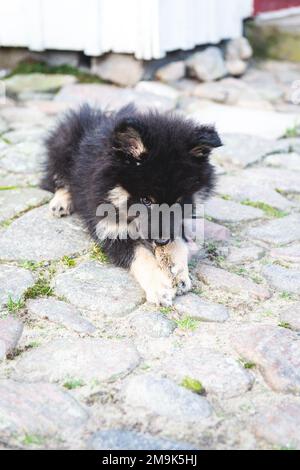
x=128 y=157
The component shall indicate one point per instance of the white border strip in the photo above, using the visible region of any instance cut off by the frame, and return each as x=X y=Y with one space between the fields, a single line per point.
x=270 y=15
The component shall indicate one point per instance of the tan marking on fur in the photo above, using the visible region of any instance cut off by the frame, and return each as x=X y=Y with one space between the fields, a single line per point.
x=155 y=282
x=106 y=229
x=61 y=203
x=173 y=259
x=118 y=196
x=130 y=141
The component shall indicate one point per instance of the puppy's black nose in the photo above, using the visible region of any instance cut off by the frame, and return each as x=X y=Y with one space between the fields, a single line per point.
x=161 y=241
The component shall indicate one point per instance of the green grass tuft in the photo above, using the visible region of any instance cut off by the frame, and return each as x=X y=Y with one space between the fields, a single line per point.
x=247 y=365
x=292 y=132
x=98 y=255
x=8 y=188
x=14 y=305
x=73 y=383
x=33 y=439
x=211 y=250
x=166 y=310
x=268 y=210
x=31 y=265
x=284 y=324
x=286 y=295
x=187 y=323
x=39 y=289
x=193 y=385
x=70 y=262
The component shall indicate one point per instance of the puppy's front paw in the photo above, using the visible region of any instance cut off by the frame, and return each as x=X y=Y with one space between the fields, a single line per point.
x=163 y=296
x=161 y=292
x=183 y=284
x=61 y=204
x=182 y=280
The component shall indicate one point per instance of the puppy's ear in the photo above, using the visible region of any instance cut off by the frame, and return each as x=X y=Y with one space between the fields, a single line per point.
x=128 y=141
x=207 y=138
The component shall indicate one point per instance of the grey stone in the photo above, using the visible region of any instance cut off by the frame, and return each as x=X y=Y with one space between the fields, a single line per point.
x=279 y=424
x=10 y=180
x=291 y=144
x=10 y=334
x=2 y=350
x=238 y=48
x=26 y=157
x=229 y=211
x=50 y=108
x=192 y=306
x=37 y=82
x=83 y=359
x=39 y=236
x=34 y=134
x=207 y=65
x=243 y=119
x=59 y=312
x=236 y=67
x=265 y=83
x=101 y=288
x=291 y=316
x=32 y=96
x=13 y=283
x=21 y=117
x=12 y=202
x=242 y=150
x=287 y=253
x=276 y=232
x=223 y=91
x=284 y=71
x=58 y=58
x=219 y=374
x=171 y=72
x=165 y=398
x=203 y=229
x=275 y=351
x=287 y=280
x=213 y=231
x=152 y=323
x=286 y=181
x=245 y=254
x=3 y=126
x=291 y=160
x=244 y=189
x=38 y=410
x=121 y=69
x=159 y=89
x=123 y=439
x=111 y=97
x=220 y=279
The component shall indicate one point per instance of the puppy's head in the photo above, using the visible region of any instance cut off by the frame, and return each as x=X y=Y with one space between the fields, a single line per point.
x=163 y=158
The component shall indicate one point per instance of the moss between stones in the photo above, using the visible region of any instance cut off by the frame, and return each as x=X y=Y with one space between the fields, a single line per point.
x=39 y=67
x=270 y=41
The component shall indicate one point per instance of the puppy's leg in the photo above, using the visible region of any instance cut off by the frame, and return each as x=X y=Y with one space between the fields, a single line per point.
x=156 y=283
x=61 y=204
x=179 y=253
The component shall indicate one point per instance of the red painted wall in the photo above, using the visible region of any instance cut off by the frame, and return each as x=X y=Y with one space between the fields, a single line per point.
x=272 y=5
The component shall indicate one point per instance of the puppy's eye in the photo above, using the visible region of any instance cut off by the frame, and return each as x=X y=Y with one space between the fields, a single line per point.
x=146 y=201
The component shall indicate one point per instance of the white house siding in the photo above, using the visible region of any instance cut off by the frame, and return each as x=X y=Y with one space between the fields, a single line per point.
x=147 y=28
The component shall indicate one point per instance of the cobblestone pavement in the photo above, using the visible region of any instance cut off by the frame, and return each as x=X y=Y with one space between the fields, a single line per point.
x=85 y=363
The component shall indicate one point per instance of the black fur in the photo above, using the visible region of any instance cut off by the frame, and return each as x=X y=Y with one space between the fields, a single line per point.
x=90 y=153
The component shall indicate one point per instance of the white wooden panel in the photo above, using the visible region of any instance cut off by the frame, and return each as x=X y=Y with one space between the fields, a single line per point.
x=147 y=28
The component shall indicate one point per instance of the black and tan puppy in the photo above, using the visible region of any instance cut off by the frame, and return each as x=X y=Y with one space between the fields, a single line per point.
x=98 y=159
